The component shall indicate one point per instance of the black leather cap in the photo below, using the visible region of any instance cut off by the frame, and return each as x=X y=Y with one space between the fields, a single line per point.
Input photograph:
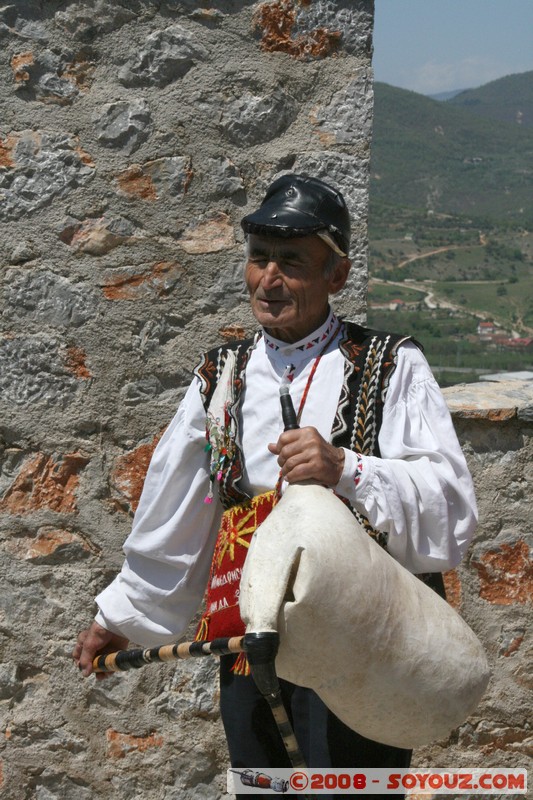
x=296 y=205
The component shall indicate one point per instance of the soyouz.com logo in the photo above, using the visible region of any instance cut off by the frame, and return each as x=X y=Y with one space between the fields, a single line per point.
x=378 y=781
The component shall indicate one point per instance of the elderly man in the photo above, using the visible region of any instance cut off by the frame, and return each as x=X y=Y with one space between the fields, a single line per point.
x=373 y=426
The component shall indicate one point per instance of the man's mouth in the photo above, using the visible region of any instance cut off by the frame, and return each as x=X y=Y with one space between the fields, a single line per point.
x=272 y=301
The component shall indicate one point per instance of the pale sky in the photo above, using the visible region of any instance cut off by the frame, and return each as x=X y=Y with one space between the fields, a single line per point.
x=432 y=46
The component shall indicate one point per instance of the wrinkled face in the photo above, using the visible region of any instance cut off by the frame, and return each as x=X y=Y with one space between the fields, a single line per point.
x=289 y=285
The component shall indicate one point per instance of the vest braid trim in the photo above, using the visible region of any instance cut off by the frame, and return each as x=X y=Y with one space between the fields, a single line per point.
x=369 y=363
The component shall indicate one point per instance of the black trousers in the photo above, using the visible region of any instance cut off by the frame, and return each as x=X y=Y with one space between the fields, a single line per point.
x=254 y=740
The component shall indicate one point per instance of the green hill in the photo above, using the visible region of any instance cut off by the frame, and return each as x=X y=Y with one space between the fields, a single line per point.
x=439 y=157
x=508 y=99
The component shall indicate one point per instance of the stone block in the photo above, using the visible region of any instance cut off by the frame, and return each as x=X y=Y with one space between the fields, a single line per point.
x=511 y=640
x=21 y=20
x=133 y=285
x=347 y=118
x=50 y=546
x=352 y=19
x=256 y=118
x=119 y=745
x=491 y=736
x=53 y=89
x=523 y=674
x=39 y=167
x=167 y=178
x=347 y=172
x=169 y=54
x=224 y=177
x=76 y=362
x=495 y=401
x=141 y=391
x=96 y=236
x=45 y=482
x=123 y=124
x=208 y=236
x=53 y=77
x=452 y=586
x=10 y=682
x=23 y=252
x=20 y=64
x=193 y=692
x=128 y=473
x=134 y=182
x=36 y=369
x=47 y=299
x=154 y=333
x=227 y=289
x=282 y=30
x=209 y=16
x=87 y=20
x=57 y=785
x=505 y=573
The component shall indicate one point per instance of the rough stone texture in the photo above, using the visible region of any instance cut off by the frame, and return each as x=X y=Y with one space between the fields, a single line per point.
x=51 y=299
x=133 y=138
x=36 y=370
x=123 y=124
x=37 y=167
x=169 y=55
x=253 y=119
x=495 y=582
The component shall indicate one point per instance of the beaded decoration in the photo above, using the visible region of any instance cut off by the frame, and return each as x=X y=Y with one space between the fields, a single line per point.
x=221 y=445
x=220 y=426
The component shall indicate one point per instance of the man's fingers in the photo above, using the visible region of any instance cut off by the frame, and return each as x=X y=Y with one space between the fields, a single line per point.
x=304 y=456
x=92 y=642
x=76 y=653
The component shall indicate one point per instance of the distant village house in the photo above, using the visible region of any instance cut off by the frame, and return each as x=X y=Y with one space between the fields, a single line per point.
x=486 y=329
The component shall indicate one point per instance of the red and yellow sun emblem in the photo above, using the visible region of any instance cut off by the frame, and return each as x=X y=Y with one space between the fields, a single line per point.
x=237 y=527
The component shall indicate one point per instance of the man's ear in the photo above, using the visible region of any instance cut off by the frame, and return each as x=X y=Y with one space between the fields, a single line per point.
x=339 y=276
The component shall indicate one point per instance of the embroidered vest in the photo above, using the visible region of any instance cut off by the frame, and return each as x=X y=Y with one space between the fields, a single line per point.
x=369 y=363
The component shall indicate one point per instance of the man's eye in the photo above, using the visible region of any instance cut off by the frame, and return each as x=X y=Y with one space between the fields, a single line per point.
x=292 y=264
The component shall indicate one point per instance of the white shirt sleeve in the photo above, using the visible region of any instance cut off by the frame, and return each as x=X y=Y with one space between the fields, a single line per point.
x=169 y=550
x=419 y=491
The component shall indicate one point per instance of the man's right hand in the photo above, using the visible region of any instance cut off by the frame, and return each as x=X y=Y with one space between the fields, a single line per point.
x=96 y=641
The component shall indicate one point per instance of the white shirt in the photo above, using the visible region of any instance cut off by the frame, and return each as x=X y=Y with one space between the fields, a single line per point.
x=419 y=491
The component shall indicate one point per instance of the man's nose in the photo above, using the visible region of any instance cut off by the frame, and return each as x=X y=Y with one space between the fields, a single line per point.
x=271 y=274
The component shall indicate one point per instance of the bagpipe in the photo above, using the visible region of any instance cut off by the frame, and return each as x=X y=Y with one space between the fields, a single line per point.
x=327 y=608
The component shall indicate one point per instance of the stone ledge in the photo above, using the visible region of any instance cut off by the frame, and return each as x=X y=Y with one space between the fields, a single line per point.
x=495 y=401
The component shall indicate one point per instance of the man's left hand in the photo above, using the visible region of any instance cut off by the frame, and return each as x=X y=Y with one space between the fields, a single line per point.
x=305 y=457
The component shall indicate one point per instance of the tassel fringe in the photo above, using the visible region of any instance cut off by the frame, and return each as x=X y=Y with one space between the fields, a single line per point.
x=203 y=630
x=241 y=666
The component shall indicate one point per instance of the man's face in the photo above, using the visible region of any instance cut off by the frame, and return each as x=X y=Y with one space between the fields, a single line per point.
x=289 y=290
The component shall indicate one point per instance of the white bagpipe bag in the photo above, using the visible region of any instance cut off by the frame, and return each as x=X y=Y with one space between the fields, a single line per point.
x=384 y=652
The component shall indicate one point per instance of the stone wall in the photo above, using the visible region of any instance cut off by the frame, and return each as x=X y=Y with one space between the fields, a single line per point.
x=134 y=135
x=493 y=587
